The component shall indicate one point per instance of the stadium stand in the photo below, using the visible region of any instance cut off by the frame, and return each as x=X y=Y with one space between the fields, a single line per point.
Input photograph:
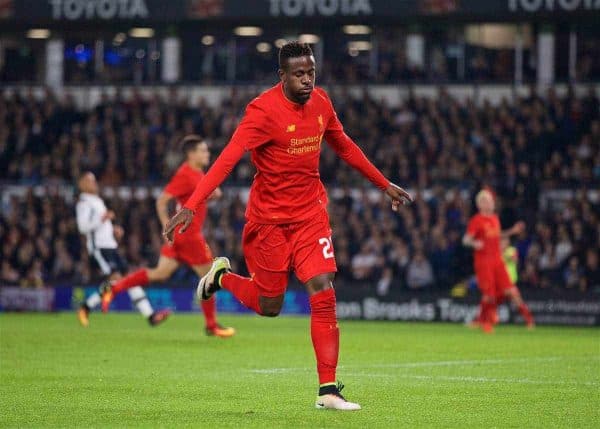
x=443 y=148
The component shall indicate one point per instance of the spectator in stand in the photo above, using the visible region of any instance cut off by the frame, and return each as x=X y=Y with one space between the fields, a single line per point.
x=365 y=263
x=385 y=282
x=573 y=274
x=591 y=277
x=419 y=274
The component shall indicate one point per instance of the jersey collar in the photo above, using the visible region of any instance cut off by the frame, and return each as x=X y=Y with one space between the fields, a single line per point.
x=296 y=107
x=88 y=195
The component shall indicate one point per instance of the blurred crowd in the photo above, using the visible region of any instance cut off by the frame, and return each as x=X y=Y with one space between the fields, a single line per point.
x=441 y=148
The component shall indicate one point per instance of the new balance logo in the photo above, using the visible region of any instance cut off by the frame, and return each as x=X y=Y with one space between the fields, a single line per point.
x=291 y=128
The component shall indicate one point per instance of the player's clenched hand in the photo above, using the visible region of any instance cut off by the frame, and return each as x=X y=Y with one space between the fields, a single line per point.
x=183 y=217
x=398 y=195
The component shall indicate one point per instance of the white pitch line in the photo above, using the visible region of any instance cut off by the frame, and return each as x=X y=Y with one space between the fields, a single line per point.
x=421 y=364
x=466 y=362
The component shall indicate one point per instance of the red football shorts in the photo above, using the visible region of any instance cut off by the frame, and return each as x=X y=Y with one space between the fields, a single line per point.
x=492 y=277
x=272 y=251
x=190 y=251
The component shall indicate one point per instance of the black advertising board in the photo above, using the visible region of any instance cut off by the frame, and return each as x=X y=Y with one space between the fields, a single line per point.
x=165 y=12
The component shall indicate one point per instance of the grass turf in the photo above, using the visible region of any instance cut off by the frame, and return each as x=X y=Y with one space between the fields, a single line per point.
x=119 y=372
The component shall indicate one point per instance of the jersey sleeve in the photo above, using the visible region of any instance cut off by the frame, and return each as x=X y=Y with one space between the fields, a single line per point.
x=349 y=151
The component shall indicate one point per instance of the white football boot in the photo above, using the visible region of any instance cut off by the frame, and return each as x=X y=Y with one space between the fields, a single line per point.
x=209 y=284
x=332 y=399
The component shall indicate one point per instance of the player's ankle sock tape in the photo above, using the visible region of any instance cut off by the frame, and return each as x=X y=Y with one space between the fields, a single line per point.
x=218 y=276
x=328 y=389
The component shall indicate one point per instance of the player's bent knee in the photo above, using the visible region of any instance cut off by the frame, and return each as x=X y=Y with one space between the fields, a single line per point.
x=270 y=307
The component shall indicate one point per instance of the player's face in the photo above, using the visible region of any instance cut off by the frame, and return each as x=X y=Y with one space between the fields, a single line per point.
x=298 y=77
x=201 y=155
x=89 y=184
x=486 y=203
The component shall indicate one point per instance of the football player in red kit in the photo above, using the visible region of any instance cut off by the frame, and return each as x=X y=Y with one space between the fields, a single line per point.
x=190 y=248
x=483 y=235
x=287 y=225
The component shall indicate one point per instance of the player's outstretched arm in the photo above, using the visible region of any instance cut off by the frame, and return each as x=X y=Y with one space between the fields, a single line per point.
x=355 y=157
x=517 y=228
x=349 y=151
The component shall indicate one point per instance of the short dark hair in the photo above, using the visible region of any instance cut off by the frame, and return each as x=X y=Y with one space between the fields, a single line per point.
x=189 y=143
x=293 y=49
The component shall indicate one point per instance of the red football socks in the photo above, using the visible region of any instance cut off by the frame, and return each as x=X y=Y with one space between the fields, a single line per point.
x=209 y=308
x=487 y=312
x=243 y=288
x=481 y=313
x=325 y=334
x=137 y=278
x=524 y=310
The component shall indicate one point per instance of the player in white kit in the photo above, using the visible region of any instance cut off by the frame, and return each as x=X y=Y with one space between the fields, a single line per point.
x=94 y=221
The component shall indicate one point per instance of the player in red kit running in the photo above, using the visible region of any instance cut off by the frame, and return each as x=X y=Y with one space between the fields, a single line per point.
x=189 y=248
x=483 y=235
x=287 y=225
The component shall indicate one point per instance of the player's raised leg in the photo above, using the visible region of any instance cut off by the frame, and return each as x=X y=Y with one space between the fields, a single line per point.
x=209 y=309
x=262 y=292
x=245 y=289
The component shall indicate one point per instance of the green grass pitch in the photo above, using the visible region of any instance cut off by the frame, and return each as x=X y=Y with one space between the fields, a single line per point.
x=122 y=373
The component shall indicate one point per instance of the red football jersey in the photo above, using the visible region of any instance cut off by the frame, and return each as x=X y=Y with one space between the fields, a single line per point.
x=486 y=228
x=181 y=186
x=284 y=139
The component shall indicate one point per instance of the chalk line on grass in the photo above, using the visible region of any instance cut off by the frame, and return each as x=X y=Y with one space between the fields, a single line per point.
x=420 y=364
